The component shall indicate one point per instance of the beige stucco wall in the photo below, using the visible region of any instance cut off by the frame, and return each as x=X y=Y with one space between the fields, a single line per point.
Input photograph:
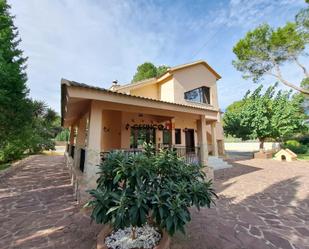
x=148 y=91
x=189 y=124
x=191 y=78
x=111 y=130
x=166 y=90
x=136 y=118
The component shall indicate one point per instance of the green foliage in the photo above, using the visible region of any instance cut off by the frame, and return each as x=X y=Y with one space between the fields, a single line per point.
x=148 y=70
x=25 y=125
x=265 y=115
x=264 y=50
x=162 y=69
x=4 y=166
x=14 y=106
x=133 y=188
x=63 y=135
x=296 y=146
x=44 y=127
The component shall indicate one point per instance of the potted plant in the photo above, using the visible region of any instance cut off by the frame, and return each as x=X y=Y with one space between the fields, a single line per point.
x=146 y=196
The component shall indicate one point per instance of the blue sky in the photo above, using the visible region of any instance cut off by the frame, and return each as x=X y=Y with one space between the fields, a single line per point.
x=98 y=41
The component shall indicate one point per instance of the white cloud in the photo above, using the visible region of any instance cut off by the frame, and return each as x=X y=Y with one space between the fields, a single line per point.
x=98 y=41
x=93 y=42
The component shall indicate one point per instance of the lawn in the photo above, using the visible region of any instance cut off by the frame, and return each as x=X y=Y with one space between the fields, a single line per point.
x=303 y=156
x=4 y=166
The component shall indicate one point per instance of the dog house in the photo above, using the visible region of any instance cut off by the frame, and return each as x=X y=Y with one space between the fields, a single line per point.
x=285 y=155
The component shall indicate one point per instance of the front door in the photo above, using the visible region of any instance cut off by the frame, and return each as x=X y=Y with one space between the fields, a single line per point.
x=189 y=134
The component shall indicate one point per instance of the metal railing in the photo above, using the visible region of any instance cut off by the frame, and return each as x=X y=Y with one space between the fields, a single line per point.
x=188 y=154
x=72 y=150
x=82 y=160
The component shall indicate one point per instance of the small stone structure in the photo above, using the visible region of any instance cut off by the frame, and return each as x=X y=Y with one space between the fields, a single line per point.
x=285 y=155
x=263 y=154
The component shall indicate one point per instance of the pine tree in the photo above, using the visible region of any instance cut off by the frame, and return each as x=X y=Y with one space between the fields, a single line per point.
x=15 y=111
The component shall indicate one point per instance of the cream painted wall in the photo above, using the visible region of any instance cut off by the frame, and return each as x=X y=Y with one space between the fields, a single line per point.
x=111 y=130
x=194 y=77
x=166 y=91
x=189 y=124
x=148 y=91
x=135 y=118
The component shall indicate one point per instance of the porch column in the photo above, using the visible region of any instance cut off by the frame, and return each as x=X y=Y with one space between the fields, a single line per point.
x=172 y=132
x=214 y=139
x=80 y=140
x=93 y=150
x=71 y=141
x=202 y=139
x=81 y=132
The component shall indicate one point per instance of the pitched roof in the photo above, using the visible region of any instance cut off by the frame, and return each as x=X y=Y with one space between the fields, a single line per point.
x=172 y=69
x=169 y=71
x=86 y=86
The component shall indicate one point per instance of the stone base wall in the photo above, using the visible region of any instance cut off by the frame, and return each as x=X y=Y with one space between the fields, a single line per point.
x=76 y=179
x=209 y=173
x=83 y=181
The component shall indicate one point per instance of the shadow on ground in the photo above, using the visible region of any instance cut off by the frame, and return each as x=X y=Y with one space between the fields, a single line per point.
x=276 y=217
x=37 y=208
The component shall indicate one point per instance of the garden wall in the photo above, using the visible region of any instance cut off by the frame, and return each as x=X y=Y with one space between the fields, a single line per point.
x=250 y=146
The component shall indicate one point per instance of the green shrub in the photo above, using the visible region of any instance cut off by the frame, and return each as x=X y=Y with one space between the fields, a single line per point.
x=63 y=135
x=304 y=140
x=12 y=151
x=296 y=146
x=132 y=189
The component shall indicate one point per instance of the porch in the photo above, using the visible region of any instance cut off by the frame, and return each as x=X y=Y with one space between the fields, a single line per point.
x=101 y=121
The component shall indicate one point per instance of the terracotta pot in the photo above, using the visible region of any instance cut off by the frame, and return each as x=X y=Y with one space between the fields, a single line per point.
x=163 y=244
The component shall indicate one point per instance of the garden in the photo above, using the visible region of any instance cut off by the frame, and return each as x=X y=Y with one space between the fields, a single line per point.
x=145 y=198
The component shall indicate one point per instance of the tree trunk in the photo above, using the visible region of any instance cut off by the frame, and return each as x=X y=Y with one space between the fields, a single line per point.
x=133 y=233
x=262 y=144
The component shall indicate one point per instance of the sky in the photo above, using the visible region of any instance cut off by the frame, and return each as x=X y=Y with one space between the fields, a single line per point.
x=98 y=41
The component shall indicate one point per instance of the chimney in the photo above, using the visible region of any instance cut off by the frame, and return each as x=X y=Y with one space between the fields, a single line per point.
x=114 y=85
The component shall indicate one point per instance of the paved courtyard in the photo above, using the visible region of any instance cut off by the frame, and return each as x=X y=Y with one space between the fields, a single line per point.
x=37 y=208
x=263 y=204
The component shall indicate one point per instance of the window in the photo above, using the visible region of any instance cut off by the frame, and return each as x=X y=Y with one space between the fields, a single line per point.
x=177 y=136
x=201 y=95
x=166 y=136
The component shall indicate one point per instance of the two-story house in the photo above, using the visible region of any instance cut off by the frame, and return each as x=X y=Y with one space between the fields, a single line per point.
x=178 y=109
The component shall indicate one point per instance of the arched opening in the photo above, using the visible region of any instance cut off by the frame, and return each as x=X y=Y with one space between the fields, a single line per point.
x=283 y=158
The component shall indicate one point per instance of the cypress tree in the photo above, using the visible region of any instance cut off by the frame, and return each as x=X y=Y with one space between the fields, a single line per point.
x=15 y=110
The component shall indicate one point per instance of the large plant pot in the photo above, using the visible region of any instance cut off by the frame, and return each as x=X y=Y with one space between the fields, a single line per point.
x=163 y=244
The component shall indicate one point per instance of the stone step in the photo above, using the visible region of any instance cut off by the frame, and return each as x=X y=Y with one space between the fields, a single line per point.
x=218 y=163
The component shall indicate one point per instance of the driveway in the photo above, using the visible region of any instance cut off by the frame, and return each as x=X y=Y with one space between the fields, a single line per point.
x=37 y=208
x=263 y=204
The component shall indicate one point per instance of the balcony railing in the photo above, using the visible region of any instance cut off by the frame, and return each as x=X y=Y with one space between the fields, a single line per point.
x=188 y=154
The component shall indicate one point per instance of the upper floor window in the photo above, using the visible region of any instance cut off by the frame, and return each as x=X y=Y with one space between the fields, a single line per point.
x=201 y=95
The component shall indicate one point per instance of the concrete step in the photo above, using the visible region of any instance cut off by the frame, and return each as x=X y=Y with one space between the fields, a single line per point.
x=218 y=163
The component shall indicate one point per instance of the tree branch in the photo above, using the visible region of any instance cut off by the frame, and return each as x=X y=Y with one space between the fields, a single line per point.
x=302 y=67
x=279 y=77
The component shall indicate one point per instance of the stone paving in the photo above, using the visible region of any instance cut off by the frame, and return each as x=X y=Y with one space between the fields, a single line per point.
x=37 y=208
x=264 y=204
